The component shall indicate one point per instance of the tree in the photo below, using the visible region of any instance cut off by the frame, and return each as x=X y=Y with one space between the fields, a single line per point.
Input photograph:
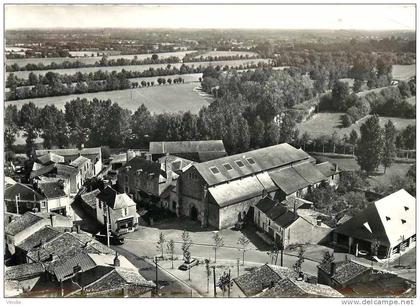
x=243 y=242
x=186 y=242
x=217 y=243
x=339 y=95
x=155 y=57
x=370 y=146
x=142 y=124
x=257 y=133
x=224 y=282
x=297 y=267
x=53 y=126
x=328 y=258
x=29 y=121
x=389 y=150
x=273 y=254
x=357 y=85
x=11 y=121
x=160 y=246
x=170 y=248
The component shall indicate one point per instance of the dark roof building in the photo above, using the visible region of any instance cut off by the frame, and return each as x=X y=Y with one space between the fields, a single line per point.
x=198 y=151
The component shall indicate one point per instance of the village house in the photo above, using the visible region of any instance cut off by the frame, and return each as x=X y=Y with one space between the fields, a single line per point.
x=24 y=226
x=118 y=209
x=287 y=223
x=275 y=281
x=220 y=192
x=42 y=196
x=353 y=279
x=197 y=151
x=70 y=155
x=148 y=181
x=387 y=225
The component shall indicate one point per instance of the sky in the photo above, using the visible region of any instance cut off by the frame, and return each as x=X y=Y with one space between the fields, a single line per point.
x=357 y=17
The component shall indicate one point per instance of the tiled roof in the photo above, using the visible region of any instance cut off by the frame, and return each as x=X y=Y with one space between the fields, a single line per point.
x=52 y=190
x=90 y=198
x=248 y=163
x=43 y=170
x=19 y=224
x=291 y=288
x=344 y=271
x=265 y=204
x=286 y=219
x=293 y=202
x=38 y=238
x=146 y=166
x=50 y=158
x=25 y=192
x=177 y=163
x=78 y=162
x=66 y=268
x=8 y=181
x=276 y=211
x=327 y=168
x=114 y=199
x=172 y=147
x=254 y=282
x=24 y=271
x=67 y=168
x=66 y=152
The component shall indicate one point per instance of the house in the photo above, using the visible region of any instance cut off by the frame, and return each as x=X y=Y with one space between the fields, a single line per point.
x=286 y=224
x=118 y=208
x=87 y=202
x=220 y=192
x=8 y=181
x=198 y=151
x=26 y=276
x=50 y=158
x=353 y=279
x=42 y=196
x=24 y=226
x=148 y=180
x=70 y=155
x=388 y=224
x=272 y=281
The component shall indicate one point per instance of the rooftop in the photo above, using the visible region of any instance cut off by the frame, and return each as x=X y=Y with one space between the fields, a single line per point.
x=50 y=158
x=19 y=224
x=52 y=190
x=24 y=192
x=79 y=162
x=240 y=165
x=114 y=199
x=24 y=271
x=38 y=238
x=345 y=271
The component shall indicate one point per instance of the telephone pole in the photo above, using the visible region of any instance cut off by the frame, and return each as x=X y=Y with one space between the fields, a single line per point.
x=214 y=280
x=156 y=270
x=107 y=223
x=229 y=284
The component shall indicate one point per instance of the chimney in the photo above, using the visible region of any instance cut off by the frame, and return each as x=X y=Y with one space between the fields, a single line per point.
x=336 y=167
x=116 y=260
x=294 y=208
x=332 y=269
x=318 y=221
x=53 y=219
x=78 y=228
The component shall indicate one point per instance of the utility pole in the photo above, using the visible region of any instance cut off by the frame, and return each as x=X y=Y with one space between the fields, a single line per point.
x=107 y=223
x=229 y=284
x=237 y=265
x=214 y=280
x=156 y=270
x=17 y=203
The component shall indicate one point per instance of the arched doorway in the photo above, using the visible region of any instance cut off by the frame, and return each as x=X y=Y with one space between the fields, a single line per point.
x=193 y=213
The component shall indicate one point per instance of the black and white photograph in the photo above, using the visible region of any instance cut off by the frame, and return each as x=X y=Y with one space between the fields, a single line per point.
x=218 y=151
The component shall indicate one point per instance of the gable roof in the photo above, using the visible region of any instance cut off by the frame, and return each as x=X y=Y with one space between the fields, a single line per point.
x=25 y=192
x=52 y=189
x=286 y=219
x=39 y=237
x=8 y=181
x=327 y=168
x=199 y=151
x=114 y=199
x=143 y=165
x=385 y=220
x=265 y=204
x=71 y=154
x=66 y=268
x=345 y=271
x=78 y=162
x=89 y=198
x=50 y=158
x=23 y=222
x=291 y=288
x=263 y=160
x=22 y=271
x=44 y=170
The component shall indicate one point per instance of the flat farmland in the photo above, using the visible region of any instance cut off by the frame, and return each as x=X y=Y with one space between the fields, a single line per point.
x=158 y=99
x=91 y=60
x=328 y=123
x=139 y=68
x=403 y=72
x=227 y=53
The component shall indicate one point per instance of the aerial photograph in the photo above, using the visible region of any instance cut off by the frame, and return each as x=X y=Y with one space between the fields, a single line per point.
x=209 y=151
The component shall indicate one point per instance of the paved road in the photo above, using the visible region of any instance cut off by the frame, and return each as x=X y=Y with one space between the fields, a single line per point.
x=169 y=286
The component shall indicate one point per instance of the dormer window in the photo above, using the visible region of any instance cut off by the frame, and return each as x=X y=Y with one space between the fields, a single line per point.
x=214 y=170
x=250 y=160
x=405 y=208
x=403 y=221
x=387 y=218
x=228 y=167
x=239 y=163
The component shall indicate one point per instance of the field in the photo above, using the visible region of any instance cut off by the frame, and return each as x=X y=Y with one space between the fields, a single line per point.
x=328 y=123
x=89 y=59
x=227 y=53
x=140 y=68
x=403 y=72
x=158 y=99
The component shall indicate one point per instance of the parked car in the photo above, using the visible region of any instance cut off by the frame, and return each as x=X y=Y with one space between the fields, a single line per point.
x=186 y=266
x=113 y=239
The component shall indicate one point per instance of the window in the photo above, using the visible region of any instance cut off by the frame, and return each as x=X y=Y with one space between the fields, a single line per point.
x=125 y=212
x=239 y=163
x=250 y=160
x=403 y=221
x=214 y=170
x=43 y=204
x=387 y=218
x=405 y=208
x=227 y=167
